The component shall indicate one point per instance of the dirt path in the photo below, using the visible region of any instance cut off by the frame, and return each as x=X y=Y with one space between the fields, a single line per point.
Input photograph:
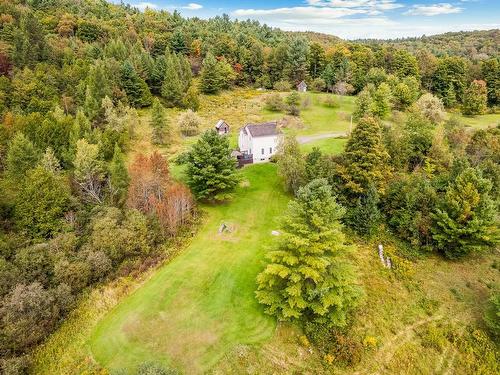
x=311 y=138
x=387 y=351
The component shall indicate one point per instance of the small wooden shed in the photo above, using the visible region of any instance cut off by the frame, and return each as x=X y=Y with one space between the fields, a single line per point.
x=302 y=87
x=222 y=127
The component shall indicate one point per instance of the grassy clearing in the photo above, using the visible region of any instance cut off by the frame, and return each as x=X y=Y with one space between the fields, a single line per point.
x=201 y=305
x=327 y=145
x=481 y=121
x=198 y=313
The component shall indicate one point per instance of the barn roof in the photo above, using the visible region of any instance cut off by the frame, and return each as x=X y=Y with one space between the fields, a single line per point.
x=302 y=83
x=220 y=123
x=262 y=130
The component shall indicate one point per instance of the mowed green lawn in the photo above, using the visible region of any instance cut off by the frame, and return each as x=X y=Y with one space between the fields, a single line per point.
x=327 y=146
x=318 y=117
x=201 y=305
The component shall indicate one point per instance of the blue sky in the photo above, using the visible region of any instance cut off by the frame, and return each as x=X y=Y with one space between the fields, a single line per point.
x=348 y=19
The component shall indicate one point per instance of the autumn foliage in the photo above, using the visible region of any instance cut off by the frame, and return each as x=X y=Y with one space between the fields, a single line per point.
x=152 y=191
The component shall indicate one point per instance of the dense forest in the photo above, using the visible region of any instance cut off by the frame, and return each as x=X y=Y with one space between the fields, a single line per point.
x=74 y=212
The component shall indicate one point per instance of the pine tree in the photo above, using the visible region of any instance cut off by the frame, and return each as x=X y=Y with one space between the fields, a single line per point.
x=382 y=101
x=210 y=168
x=463 y=223
x=172 y=87
x=40 y=205
x=192 y=99
x=98 y=87
x=137 y=90
x=365 y=217
x=211 y=81
x=158 y=74
x=49 y=161
x=475 y=98
x=365 y=159
x=159 y=123
x=364 y=105
x=307 y=276
x=118 y=177
x=21 y=156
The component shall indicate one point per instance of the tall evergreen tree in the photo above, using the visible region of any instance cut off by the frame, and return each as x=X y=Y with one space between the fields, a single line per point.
x=463 y=221
x=97 y=88
x=364 y=105
x=21 y=156
x=159 y=123
x=211 y=81
x=137 y=90
x=307 y=277
x=210 y=168
x=40 y=205
x=382 y=100
x=365 y=160
x=118 y=176
x=172 y=87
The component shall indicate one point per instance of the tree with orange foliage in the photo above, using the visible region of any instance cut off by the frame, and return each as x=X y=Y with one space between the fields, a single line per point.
x=153 y=192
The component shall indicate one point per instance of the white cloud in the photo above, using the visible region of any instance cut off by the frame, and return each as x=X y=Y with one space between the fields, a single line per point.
x=299 y=14
x=193 y=6
x=143 y=5
x=366 y=4
x=433 y=9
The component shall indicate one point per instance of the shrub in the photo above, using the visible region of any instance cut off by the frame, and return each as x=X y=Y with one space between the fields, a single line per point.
x=330 y=101
x=345 y=350
x=318 y=84
x=492 y=315
x=282 y=86
x=151 y=368
x=27 y=315
x=274 y=102
x=431 y=108
x=189 y=123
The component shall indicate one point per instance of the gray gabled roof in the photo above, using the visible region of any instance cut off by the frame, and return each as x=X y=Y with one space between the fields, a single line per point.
x=302 y=84
x=262 y=130
x=220 y=123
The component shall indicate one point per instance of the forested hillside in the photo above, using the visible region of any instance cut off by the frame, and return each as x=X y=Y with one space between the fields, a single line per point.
x=78 y=209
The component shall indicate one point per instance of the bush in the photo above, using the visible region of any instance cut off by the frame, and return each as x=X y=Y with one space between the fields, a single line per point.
x=431 y=108
x=274 y=102
x=189 y=123
x=120 y=235
x=492 y=315
x=330 y=101
x=318 y=84
x=282 y=86
x=345 y=350
x=151 y=368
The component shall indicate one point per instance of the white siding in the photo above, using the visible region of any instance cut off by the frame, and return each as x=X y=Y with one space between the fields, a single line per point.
x=245 y=142
x=264 y=147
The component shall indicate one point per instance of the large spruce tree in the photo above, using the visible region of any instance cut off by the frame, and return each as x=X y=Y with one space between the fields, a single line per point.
x=307 y=276
x=365 y=160
x=211 y=81
x=464 y=220
x=210 y=168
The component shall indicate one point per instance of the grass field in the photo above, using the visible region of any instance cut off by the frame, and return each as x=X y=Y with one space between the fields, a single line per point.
x=201 y=305
x=327 y=145
x=198 y=312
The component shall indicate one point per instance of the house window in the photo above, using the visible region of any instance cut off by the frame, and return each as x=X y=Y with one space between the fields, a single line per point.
x=262 y=151
x=270 y=150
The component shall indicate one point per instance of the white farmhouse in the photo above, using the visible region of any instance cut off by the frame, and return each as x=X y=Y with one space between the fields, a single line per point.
x=258 y=142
